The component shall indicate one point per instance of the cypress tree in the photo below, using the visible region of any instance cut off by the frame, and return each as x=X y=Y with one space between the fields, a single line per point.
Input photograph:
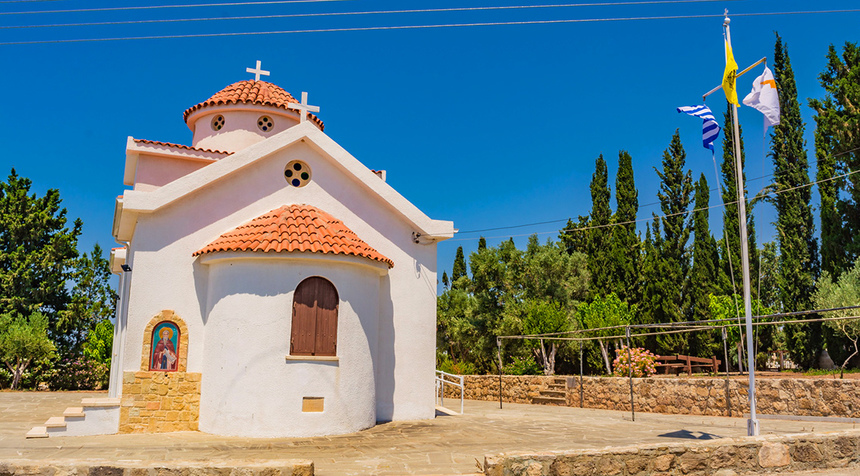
x=676 y=185
x=459 y=269
x=703 y=272
x=798 y=259
x=624 y=246
x=837 y=146
x=575 y=241
x=730 y=245
x=599 y=238
x=482 y=243
x=445 y=279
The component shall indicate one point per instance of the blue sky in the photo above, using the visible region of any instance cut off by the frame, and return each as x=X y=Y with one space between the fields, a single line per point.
x=488 y=126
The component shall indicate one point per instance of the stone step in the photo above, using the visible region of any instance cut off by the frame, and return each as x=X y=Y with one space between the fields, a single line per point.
x=100 y=402
x=549 y=401
x=37 y=432
x=55 y=422
x=556 y=387
x=553 y=393
x=72 y=412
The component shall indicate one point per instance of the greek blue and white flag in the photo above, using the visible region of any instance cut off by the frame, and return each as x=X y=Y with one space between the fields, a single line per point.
x=710 y=128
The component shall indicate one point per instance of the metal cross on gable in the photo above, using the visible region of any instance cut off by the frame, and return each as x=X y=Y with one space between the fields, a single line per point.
x=257 y=71
x=303 y=107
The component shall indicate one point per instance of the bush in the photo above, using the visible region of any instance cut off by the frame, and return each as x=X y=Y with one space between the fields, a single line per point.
x=79 y=373
x=523 y=366
x=643 y=362
x=457 y=368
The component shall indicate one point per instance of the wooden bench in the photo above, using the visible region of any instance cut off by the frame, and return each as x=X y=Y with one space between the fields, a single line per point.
x=675 y=363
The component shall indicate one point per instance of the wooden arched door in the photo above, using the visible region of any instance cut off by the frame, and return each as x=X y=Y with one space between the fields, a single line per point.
x=314 y=324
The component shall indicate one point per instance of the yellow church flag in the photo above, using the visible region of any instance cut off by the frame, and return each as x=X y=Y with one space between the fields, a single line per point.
x=729 y=76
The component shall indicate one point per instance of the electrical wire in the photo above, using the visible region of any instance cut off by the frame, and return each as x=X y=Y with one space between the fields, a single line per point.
x=649 y=204
x=653 y=217
x=156 y=7
x=374 y=12
x=414 y=27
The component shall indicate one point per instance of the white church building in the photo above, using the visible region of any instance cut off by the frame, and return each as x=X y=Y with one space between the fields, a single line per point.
x=271 y=285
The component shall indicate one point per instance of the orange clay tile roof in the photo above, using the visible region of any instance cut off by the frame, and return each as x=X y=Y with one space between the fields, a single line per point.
x=295 y=228
x=252 y=92
x=180 y=146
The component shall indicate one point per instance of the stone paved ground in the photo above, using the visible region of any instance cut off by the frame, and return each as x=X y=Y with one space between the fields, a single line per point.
x=446 y=445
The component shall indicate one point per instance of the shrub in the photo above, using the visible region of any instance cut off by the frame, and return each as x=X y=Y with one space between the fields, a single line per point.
x=523 y=366
x=643 y=362
x=79 y=373
x=457 y=368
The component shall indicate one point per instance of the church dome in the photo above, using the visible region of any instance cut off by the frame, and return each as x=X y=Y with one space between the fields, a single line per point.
x=243 y=114
x=260 y=93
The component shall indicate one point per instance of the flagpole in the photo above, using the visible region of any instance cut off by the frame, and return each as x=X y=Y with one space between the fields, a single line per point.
x=752 y=422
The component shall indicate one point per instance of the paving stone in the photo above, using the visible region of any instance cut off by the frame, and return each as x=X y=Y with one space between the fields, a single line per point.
x=445 y=445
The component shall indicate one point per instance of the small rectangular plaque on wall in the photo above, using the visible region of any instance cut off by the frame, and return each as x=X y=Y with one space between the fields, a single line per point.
x=312 y=404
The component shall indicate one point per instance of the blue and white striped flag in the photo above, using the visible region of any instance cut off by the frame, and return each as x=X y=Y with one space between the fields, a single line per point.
x=710 y=128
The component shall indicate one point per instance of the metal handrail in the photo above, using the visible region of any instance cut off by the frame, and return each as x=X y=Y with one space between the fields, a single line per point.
x=455 y=380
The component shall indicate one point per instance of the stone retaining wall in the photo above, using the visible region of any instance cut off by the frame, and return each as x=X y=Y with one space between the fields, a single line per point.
x=295 y=467
x=681 y=395
x=724 y=457
x=156 y=402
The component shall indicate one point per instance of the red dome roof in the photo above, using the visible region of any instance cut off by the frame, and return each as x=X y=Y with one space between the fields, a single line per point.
x=250 y=91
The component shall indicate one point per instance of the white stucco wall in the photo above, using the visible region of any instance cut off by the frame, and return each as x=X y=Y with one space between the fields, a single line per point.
x=166 y=276
x=154 y=171
x=240 y=126
x=249 y=388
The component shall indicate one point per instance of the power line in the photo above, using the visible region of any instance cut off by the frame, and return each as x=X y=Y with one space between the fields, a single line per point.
x=373 y=12
x=640 y=206
x=156 y=7
x=594 y=227
x=416 y=27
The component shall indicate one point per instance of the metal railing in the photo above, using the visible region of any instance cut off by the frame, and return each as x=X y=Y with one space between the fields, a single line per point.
x=443 y=378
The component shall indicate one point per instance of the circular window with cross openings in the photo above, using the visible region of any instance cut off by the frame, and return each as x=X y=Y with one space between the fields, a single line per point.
x=265 y=123
x=297 y=173
x=217 y=122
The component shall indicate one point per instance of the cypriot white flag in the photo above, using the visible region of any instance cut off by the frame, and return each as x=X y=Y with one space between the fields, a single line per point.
x=764 y=98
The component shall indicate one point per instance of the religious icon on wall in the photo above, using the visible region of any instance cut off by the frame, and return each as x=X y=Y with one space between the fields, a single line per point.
x=165 y=347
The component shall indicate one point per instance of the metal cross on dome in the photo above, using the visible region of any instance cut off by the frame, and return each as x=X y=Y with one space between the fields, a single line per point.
x=303 y=107
x=257 y=71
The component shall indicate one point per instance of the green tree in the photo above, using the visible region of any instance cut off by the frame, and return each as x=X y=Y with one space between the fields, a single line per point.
x=23 y=341
x=544 y=317
x=842 y=293
x=494 y=287
x=459 y=269
x=768 y=282
x=676 y=186
x=37 y=255
x=456 y=327
x=574 y=237
x=730 y=244
x=625 y=247
x=600 y=235
x=482 y=243
x=445 y=282
x=93 y=298
x=730 y=308
x=601 y=312
x=837 y=147
x=704 y=270
x=798 y=249
x=99 y=344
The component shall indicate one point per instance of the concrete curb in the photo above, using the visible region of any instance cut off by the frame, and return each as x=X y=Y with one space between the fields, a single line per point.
x=290 y=467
